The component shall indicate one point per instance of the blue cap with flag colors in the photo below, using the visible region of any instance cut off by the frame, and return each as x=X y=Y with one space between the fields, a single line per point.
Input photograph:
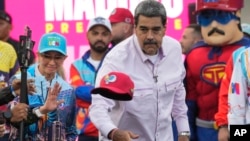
x=53 y=42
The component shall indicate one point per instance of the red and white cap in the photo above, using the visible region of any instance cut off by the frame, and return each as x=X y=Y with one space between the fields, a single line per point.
x=121 y=15
x=115 y=85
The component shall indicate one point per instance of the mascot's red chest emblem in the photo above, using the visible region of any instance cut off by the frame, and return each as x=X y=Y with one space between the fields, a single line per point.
x=213 y=73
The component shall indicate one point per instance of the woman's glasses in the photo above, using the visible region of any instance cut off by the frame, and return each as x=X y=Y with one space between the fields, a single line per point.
x=56 y=58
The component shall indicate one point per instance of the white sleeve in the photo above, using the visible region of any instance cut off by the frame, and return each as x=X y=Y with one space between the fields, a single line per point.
x=100 y=107
x=237 y=93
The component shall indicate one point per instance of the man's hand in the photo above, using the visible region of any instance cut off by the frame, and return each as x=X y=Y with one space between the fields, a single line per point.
x=2 y=130
x=16 y=85
x=183 y=138
x=51 y=103
x=122 y=135
x=19 y=112
x=223 y=134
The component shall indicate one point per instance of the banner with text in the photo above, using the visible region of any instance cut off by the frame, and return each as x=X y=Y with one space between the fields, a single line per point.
x=70 y=18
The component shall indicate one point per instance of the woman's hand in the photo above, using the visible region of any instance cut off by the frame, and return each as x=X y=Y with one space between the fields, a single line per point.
x=52 y=103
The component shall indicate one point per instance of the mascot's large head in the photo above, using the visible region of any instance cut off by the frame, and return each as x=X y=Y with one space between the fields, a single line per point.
x=219 y=20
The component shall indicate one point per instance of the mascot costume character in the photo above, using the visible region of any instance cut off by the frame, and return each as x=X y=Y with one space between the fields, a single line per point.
x=206 y=63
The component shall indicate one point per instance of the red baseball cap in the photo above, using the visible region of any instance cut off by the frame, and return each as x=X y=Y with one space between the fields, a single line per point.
x=121 y=15
x=115 y=85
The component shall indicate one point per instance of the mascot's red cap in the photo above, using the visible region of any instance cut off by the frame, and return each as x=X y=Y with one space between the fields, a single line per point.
x=225 y=5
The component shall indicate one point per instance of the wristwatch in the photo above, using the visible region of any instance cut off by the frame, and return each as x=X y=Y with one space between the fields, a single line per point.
x=184 y=133
x=223 y=126
x=37 y=112
x=7 y=115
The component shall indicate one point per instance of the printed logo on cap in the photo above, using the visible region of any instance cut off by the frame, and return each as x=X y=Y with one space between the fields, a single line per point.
x=100 y=20
x=7 y=19
x=127 y=20
x=113 y=12
x=5 y=16
x=53 y=41
x=110 y=78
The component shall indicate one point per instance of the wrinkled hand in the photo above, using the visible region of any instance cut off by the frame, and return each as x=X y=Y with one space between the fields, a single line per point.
x=223 y=134
x=52 y=103
x=16 y=84
x=123 y=135
x=19 y=112
x=2 y=130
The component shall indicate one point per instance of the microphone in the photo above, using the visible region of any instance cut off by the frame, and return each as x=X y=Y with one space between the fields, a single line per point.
x=155 y=78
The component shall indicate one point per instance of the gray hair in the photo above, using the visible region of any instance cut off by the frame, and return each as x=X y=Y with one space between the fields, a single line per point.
x=150 y=8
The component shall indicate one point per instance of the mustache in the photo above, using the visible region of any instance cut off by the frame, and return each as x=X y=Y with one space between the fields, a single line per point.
x=148 y=42
x=216 y=30
x=99 y=42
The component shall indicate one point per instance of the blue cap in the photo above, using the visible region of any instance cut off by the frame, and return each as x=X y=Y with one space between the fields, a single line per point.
x=84 y=92
x=53 y=42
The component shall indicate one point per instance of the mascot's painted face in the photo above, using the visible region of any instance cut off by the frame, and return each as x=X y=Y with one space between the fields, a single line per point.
x=218 y=27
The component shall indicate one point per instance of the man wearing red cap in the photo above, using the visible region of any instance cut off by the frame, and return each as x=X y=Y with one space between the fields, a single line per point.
x=206 y=64
x=122 y=23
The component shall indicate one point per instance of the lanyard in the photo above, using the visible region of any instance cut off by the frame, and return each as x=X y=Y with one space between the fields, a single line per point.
x=43 y=94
